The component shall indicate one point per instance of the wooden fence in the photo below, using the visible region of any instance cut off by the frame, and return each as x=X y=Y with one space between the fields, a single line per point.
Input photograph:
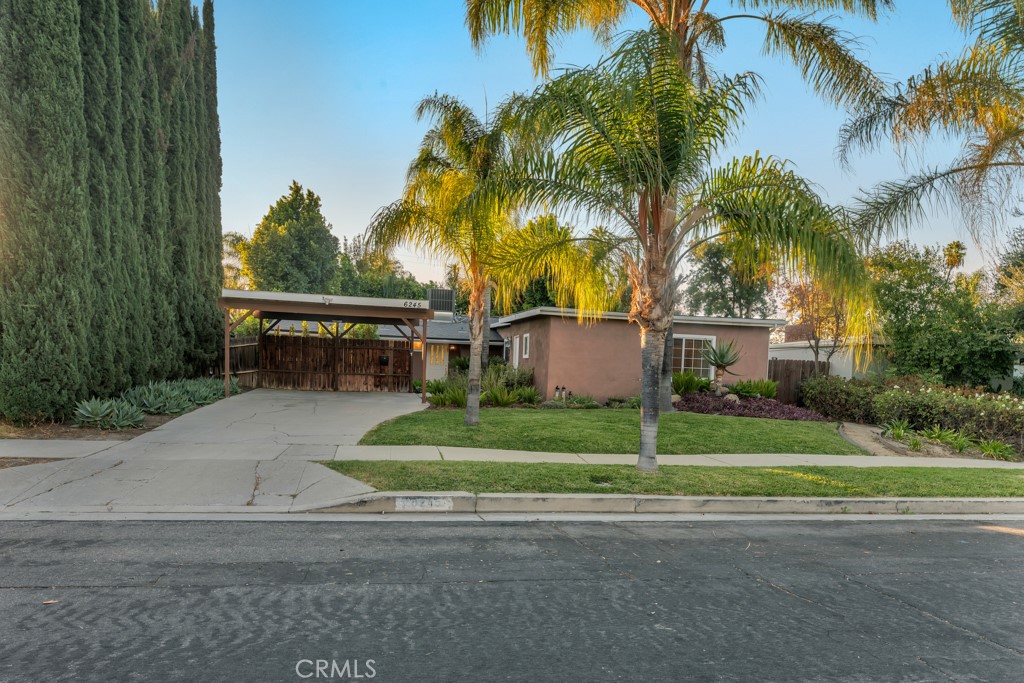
x=790 y=374
x=324 y=363
x=244 y=361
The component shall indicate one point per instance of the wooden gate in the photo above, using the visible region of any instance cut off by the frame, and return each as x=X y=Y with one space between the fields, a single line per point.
x=329 y=364
x=790 y=374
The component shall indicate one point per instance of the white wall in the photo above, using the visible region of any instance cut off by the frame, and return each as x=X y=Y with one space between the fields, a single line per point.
x=843 y=362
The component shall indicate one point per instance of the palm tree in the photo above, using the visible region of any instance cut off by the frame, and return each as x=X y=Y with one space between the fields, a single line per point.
x=629 y=143
x=976 y=96
x=443 y=212
x=825 y=56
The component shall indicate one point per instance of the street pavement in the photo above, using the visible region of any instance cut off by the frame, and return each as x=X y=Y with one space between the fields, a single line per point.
x=882 y=601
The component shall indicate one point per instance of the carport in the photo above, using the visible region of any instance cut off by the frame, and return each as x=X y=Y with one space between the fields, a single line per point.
x=273 y=307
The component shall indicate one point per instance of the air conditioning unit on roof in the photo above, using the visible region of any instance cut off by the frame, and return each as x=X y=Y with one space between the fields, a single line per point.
x=442 y=302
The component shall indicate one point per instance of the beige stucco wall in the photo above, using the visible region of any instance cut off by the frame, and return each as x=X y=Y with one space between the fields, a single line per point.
x=603 y=359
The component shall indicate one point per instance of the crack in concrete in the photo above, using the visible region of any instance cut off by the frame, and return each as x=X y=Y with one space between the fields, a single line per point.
x=256 y=484
x=939 y=671
x=782 y=589
x=64 y=483
x=930 y=615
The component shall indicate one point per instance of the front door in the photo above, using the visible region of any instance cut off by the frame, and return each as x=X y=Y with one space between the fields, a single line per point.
x=437 y=361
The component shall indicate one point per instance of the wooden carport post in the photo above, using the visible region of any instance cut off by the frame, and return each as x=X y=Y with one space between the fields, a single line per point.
x=227 y=353
x=422 y=334
x=229 y=327
x=423 y=364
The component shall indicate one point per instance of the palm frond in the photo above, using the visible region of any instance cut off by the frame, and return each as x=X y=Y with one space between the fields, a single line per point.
x=826 y=56
x=868 y=9
x=542 y=22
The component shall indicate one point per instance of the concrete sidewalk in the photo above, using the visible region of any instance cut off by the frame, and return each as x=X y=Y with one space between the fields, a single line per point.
x=458 y=453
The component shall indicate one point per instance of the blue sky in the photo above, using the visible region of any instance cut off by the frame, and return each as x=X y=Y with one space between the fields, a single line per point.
x=323 y=91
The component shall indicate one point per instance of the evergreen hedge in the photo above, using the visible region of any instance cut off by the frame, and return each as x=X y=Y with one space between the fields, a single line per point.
x=109 y=199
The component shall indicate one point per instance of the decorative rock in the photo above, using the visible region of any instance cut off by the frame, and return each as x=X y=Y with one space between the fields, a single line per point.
x=732 y=397
x=676 y=397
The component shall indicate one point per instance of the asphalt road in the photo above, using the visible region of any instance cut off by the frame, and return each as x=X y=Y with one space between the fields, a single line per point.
x=703 y=601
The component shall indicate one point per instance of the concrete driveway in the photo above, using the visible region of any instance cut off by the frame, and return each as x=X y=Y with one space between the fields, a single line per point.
x=251 y=450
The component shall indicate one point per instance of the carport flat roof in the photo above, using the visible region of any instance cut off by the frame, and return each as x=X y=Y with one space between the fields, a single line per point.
x=277 y=305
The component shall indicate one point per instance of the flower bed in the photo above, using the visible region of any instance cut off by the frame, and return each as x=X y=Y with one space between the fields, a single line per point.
x=975 y=413
x=709 y=404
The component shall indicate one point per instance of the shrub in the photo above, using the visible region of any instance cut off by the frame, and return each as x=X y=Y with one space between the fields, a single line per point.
x=897 y=429
x=937 y=410
x=417 y=386
x=841 y=399
x=1018 y=386
x=528 y=395
x=748 y=407
x=456 y=396
x=506 y=376
x=688 y=383
x=553 y=405
x=501 y=397
x=582 y=401
x=459 y=364
x=436 y=386
x=997 y=450
x=755 y=388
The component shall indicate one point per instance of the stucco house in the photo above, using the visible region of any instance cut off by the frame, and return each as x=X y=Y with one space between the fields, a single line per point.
x=603 y=359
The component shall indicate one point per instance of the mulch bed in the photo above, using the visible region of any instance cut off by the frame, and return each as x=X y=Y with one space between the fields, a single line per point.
x=709 y=404
x=18 y=462
x=70 y=431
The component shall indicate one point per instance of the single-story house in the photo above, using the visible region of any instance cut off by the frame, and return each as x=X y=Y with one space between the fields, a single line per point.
x=446 y=340
x=603 y=359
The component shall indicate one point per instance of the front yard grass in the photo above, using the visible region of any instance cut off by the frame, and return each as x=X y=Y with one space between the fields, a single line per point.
x=609 y=431
x=859 y=482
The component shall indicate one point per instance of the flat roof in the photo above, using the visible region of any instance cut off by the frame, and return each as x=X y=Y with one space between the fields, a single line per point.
x=616 y=315
x=279 y=305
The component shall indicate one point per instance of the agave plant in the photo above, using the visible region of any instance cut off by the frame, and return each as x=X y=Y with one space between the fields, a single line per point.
x=93 y=412
x=721 y=358
x=123 y=415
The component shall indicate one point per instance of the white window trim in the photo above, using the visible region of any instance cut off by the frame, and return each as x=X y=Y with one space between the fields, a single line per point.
x=515 y=351
x=526 y=345
x=705 y=337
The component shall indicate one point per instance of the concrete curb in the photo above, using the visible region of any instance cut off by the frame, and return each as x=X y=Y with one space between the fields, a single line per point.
x=484 y=503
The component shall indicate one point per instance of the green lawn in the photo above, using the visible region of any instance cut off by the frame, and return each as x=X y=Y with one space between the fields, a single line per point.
x=861 y=482
x=609 y=431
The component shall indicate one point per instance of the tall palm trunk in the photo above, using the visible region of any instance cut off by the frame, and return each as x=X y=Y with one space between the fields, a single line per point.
x=652 y=354
x=485 y=351
x=665 y=388
x=476 y=346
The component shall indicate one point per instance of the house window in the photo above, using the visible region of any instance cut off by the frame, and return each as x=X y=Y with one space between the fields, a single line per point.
x=526 y=346
x=515 y=351
x=687 y=354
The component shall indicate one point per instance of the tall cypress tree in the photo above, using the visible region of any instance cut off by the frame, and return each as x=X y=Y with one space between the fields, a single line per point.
x=138 y=328
x=209 y=160
x=102 y=69
x=168 y=346
x=44 y=234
